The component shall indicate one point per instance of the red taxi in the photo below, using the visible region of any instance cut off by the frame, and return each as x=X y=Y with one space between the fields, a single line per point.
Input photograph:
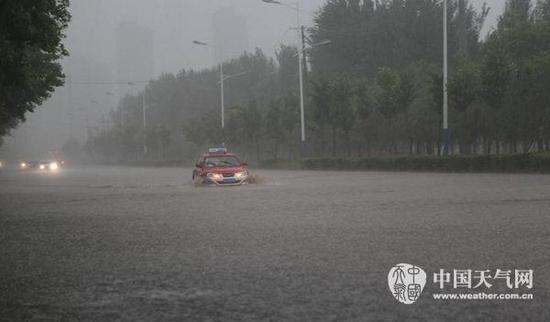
x=218 y=167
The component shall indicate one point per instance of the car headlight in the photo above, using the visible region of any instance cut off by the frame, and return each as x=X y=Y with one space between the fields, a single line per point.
x=23 y=165
x=42 y=167
x=215 y=176
x=54 y=166
x=241 y=174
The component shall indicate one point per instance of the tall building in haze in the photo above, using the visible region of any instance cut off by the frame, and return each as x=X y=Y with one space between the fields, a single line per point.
x=134 y=52
x=230 y=34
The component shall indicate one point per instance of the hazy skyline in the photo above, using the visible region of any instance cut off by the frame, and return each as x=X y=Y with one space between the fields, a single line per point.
x=176 y=23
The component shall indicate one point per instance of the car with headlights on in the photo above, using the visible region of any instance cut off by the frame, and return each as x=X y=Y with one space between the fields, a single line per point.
x=29 y=165
x=48 y=165
x=41 y=165
x=220 y=168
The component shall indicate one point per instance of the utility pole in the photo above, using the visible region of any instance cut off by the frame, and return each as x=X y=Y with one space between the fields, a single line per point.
x=445 y=83
x=121 y=116
x=103 y=124
x=304 y=40
x=301 y=72
x=222 y=93
x=88 y=130
x=223 y=78
x=144 y=107
x=300 y=31
x=73 y=127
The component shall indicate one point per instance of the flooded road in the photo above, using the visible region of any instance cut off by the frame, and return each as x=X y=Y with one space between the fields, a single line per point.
x=99 y=244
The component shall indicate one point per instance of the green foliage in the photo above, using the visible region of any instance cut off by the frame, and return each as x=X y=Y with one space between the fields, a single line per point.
x=396 y=34
x=244 y=123
x=287 y=58
x=464 y=86
x=204 y=129
x=391 y=94
x=30 y=50
x=543 y=10
x=539 y=163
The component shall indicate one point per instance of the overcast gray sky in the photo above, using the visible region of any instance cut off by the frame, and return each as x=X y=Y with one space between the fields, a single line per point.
x=176 y=23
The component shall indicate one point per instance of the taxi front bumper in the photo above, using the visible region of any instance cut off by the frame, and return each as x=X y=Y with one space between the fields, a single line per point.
x=223 y=180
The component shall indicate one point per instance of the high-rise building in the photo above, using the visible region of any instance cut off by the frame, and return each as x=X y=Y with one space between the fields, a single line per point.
x=134 y=52
x=230 y=34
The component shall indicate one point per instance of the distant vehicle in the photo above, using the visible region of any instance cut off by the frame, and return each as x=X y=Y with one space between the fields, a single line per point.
x=220 y=168
x=50 y=165
x=1 y=165
x=43 y=165
x=28 y=165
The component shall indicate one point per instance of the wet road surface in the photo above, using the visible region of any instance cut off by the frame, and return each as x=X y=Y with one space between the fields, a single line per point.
x=128 y=244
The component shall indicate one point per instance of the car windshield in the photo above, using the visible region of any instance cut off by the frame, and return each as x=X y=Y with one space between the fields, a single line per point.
x=221 y=161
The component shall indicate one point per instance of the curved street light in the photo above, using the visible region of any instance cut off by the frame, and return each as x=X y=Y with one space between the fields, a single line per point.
x=301 y=53
x=223 y=78
x=296 y=7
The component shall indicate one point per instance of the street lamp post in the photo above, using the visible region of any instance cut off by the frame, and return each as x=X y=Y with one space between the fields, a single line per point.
x=301 y=66
x=222 y=99
x=223 y=78
x=221 y=82
x=144 y=115
x=301 y=49
x=301 y=71
x=144 y=111
x=445 y=133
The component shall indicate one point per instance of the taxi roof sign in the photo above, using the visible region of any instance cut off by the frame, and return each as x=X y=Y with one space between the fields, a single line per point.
x=217 y=150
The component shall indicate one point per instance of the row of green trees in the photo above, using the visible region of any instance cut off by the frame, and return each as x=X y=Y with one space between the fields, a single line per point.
x=376 y=90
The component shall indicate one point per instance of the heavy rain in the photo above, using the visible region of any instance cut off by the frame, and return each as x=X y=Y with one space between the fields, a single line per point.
x=266 y=160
